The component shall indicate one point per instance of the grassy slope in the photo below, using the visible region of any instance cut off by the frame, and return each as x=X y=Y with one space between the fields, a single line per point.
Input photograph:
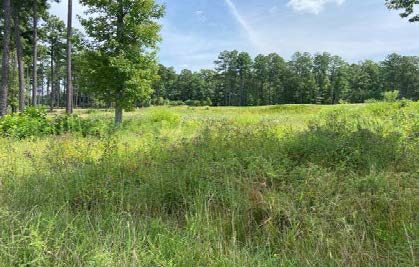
x=260 y=186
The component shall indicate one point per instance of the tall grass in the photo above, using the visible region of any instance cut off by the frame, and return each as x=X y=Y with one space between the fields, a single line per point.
x=218 y=187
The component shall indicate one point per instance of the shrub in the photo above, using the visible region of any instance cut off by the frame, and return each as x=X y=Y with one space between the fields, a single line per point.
x=161 y=115
x=342 y=101
x=371 y=100
x=176 y=103
x=160 y=101
x=145 y=104
x=66 y=123
x=32 y=122
x=193 y=103
x=391 y=96
x=206 y=102
x=35 y=123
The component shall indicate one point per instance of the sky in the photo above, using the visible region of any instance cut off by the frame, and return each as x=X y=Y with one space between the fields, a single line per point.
x=194 y=32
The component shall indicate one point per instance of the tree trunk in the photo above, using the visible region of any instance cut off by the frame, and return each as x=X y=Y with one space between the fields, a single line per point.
x=69 y=46
x=52 y=91
x=120 y=36
x=48 y=90
x=28 y=76
x=13 y=72
x=21 y=70
x=35 y=52
x=118 y=114
x=41 y=97
x=5 y=59
x=58 y=93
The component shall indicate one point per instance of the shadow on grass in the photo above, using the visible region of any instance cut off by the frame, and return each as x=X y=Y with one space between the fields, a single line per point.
x=325 y=191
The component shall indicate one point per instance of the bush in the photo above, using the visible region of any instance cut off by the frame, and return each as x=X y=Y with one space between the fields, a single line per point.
x=66 y=123
x=145 y=104
x=163 y=115
x=160 y=101
x=193 y=103
x=32 y=122
x=176 y=103
x=35 y=123
x=343 y=102
x=206 y=102
x=371 y=100
x=391 y=96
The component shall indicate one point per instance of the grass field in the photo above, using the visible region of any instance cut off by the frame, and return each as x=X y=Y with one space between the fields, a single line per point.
x=293 y=185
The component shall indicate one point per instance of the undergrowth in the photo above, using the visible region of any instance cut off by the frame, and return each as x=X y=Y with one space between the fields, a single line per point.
x=172 y=189
x=36 y=123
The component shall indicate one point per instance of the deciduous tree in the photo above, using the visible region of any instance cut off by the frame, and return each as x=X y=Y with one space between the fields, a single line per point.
x=122 y=65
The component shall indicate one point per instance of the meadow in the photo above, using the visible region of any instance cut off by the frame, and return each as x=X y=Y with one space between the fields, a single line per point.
x=286 y=185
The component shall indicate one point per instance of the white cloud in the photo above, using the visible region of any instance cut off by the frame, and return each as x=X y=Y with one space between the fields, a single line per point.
x=253 y=37
x=311 y=6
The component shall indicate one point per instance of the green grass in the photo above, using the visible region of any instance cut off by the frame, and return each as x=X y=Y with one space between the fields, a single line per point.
x=291 y=185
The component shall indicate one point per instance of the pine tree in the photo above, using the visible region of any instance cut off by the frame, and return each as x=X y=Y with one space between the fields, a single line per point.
x=5 y=58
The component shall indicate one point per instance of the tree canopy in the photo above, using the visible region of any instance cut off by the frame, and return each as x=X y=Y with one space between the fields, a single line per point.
x=408 y=7
x=120 y=66
x=322 y=78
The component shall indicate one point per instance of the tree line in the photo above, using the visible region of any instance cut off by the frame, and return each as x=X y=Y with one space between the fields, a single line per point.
x=240 y=80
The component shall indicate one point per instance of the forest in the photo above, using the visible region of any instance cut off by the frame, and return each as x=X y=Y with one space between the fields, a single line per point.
x=111 y=157
x=239 y=80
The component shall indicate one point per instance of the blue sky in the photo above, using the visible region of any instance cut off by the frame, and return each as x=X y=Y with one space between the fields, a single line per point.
x=195 y=31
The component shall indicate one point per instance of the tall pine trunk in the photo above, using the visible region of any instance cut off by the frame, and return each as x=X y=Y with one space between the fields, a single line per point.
x=51 y=80
x=69 y=108
x=35 y=53
x=12 y=71
x=20 y=64
x=5 y=59
x=41 y=96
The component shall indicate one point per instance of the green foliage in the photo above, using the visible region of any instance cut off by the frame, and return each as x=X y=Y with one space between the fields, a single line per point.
x=257 y=186
x=164 y=115
x=177 y=103
x=32 y=122
x=160 y=101
x=358 y=144
x=193 y=103
x=122 y=66
x=371 y=100
x=391 y=96
x=239 y=80
x=407 y=5
x=86 y=127
x=36 y=123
